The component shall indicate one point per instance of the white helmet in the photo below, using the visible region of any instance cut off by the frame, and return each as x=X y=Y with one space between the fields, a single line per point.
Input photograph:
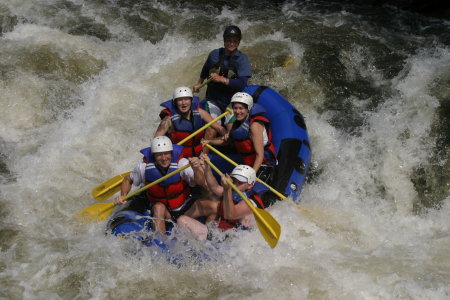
x=241 y=97
x=244 y=173
x=161 y=144
x=182 y=91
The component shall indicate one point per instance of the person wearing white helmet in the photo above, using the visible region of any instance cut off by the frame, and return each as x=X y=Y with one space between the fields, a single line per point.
x=249 y=132
x=231 y=211
x=181 y=117
x=229 y=70
x=171 y=197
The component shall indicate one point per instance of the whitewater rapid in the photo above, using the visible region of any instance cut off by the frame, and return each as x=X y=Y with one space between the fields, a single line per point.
x=81 y=83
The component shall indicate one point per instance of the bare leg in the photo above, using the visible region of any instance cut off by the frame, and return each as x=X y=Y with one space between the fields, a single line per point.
x=159 y=212
x=202 y=208
x=248 y=221
x=198 y=230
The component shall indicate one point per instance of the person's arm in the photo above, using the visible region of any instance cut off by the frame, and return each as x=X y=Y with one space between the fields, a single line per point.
x=196 y=87
x=232 y=211
x=164 y=126
x=188 y=174
x=207 y=118
x=199 y=173
x=256 y=135
x=244 y=72
x=124 y=190
x=238 y=84
x=203 y=73
x=211 y=181
x=214 y=142
x=136 y=177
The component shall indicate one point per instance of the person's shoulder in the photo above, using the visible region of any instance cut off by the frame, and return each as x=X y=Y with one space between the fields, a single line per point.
x=240 y=54
x=215 y=52
x=242 y=59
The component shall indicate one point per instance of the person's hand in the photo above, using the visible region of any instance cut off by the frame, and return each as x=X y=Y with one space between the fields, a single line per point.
x=202 y=160
x=217 y=78
x=204 y=157
x=195 y=162
x=196 y=88
x=226 y=136
x=204 y=142
x=224 y=181
x=222 y=131
x=119 y=200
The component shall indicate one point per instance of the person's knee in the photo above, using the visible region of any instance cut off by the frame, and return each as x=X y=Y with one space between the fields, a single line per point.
x=158 y=209
x=182 y=221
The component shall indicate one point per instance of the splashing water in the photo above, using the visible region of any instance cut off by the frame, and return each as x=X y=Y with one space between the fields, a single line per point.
x=81 y=83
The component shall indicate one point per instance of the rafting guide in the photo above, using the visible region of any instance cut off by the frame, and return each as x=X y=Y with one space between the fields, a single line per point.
x=229 y=70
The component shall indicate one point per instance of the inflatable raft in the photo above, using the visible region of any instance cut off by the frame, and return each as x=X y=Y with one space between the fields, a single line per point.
x=291 y=141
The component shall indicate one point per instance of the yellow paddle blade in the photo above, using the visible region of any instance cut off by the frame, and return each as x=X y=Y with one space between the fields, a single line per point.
x=96 y=212
x=108 y=188
x=268 y=226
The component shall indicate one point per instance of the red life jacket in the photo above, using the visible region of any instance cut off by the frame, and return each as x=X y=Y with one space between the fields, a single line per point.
x=172 y=191
x=254 y=196
x=240 y=135
x=184 y=127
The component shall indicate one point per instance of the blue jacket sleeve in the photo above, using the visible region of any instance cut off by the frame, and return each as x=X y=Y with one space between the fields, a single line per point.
x=239 y=83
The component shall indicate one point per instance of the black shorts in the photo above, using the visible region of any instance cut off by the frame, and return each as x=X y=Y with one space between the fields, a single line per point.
x=140 y=204
x=265 y=173
x=176 y=213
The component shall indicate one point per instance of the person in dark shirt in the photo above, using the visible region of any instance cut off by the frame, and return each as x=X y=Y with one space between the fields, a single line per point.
x=229 y=71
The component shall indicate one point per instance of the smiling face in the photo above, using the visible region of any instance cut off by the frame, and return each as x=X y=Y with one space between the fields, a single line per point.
x=183 y=104
x=231 y=44
x=240 y=111
x=163 y=159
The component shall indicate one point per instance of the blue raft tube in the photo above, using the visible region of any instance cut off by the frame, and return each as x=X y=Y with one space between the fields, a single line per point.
x=290 y=138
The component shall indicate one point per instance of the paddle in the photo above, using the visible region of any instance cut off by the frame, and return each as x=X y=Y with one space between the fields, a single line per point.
x=205 y=83
x=111 y=186
x=257 y=179
x=269 y=227
x=101 y=211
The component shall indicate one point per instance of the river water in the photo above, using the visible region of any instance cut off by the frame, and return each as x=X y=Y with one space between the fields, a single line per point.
x=81 y=83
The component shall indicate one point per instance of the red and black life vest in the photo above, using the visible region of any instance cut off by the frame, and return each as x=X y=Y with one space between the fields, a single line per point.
x=254 y=196
x=183 y=127
x=240 y=135
x=172 y=191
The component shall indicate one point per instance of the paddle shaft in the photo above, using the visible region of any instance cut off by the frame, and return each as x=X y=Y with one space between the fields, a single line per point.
x=205 y=83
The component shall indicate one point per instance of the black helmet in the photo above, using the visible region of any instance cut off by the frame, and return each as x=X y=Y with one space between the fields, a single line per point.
x=232 y=31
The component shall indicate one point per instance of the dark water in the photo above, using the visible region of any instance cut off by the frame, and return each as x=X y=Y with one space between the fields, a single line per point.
x=80 y=87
